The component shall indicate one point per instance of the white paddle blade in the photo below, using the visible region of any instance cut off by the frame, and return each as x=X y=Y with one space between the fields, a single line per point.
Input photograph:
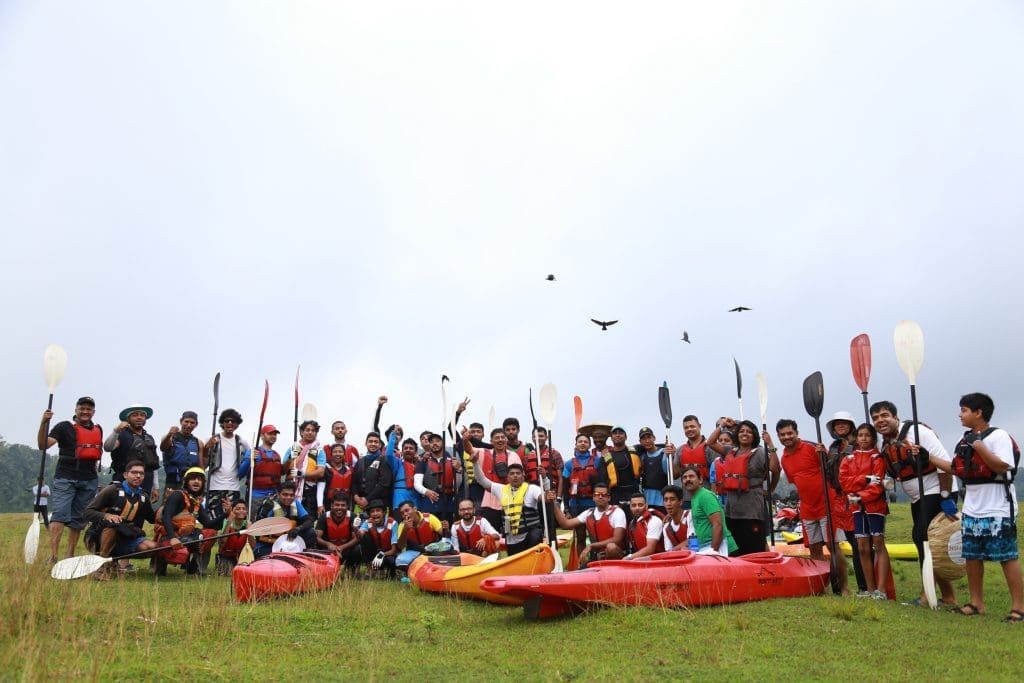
x=490 y=421
x=928 y=578
x=548 y=404
x=444 y=403
x=245 y=556
x=32 y=540
x=55 y=362
x=762 y=396
x=309 y=412
x=77 y=567
x=559 y=568
x=490 y=559
x=268 y=526
x=909 y=341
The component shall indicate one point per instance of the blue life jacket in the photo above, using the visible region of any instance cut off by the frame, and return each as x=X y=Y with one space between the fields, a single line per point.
x=184 y=454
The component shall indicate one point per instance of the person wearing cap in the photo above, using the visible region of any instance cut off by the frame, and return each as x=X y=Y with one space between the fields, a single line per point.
x=843 y=430
x=267 y=470
x=434 y=481
x=376 y=536
x=131 y=441
x=226 y=459
x=654 y=469
x=117 y=514
x=185 y=518
x=80 y=445
x=180 y=448
x=620 y=469
x=521 y=503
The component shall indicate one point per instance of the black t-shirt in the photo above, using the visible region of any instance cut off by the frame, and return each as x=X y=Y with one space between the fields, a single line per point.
x=68 y=466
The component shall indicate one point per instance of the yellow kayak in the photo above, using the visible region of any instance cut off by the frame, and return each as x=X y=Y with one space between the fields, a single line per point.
x=897 y=551
x=433 y=575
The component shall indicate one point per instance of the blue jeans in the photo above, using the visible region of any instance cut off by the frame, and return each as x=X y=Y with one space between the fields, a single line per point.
x=68 y=501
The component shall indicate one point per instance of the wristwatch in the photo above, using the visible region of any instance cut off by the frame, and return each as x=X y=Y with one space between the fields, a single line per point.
x=944 y=494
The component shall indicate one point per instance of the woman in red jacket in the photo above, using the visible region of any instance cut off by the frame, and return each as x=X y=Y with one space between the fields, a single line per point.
x=861 y=474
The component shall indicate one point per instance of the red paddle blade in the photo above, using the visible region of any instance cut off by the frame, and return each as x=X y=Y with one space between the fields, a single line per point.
x=860 y=360
x=574 y=554
x=266 y=396
x=577 y=403
x=297 y=385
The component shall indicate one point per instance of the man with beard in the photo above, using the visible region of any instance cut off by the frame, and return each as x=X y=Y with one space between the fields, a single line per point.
x=267 y=469
x=706 y=516
x=476 y=436
x=80 y=444
x=620 y=470
x=510 y=425
x=494 y=463
x=550 y=462
x=902 y=459
x=645 y=529
x=289 y=507
x=376 y=536
x=521 y=503
x=179 y=522
x=373 y=478
x=605 y=524
x=473 y=534
x=655 y=465
x=306 y=462
x=337 y=479
x=339 y=431
x=336 y=532
x=695 y=453
x=180 y=448
x=131 y=441
x=434 y=481
x=117 y=514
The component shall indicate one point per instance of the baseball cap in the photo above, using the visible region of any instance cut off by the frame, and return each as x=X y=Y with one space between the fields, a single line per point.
x=646 y=431
x=270 y=429
x=618 y=428
x=86 y=401
x=190 y=414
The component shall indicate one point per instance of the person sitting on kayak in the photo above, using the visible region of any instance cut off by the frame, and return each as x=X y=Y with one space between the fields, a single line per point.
x=709 y=525
x=415 y=532
x=336 y=531
x=645 y=529
x=520 y=502
x=861 y=473
x=605 y=524
x=228 y=549
x=376 y=536
x=473 y=534
x=288 y=507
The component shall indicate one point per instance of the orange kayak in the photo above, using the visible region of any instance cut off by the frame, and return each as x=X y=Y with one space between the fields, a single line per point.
x=442 y=574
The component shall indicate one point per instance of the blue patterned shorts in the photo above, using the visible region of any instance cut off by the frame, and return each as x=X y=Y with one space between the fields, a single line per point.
x=989 y=538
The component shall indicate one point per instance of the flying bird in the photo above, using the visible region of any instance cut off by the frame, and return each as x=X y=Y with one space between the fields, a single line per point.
x=550 y=278
x=686 y=336
x=604 y=324
x=739 y=309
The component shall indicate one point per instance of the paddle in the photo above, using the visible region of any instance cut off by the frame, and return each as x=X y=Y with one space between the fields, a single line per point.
x=83 y=565
x=665 y=406
x=548 y=409
x=762 y=400
x=256 y=444
x=216 y=404
x=574 y=553
x=814 y=401
x=909 y=342
x=860 y=361
x=490 y=422
x=577 y=404
x=309 y=414
x=295 y=427
x=55 y=362
x=739 y=386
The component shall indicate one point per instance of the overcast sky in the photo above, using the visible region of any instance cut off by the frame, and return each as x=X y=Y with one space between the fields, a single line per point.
x=377 y=191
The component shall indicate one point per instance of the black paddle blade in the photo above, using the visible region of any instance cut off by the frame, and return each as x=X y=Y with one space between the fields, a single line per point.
x=216 y=388
x=532 y=416
x=814 y=394
x=739 y=380
x=665 y=405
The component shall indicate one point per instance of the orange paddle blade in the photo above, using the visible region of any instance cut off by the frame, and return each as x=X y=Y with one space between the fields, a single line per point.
x=577 y=404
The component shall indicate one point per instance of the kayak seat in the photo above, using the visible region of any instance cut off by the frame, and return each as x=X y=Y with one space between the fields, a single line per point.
x=762 y=558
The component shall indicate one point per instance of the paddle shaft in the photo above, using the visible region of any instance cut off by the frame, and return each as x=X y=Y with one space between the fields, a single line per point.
x=920 y=475
x=829 y=533
x=42 y=463
x=193 y=542
x=867 y=415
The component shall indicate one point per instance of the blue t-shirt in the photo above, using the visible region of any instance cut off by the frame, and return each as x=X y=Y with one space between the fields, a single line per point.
x=654 y=496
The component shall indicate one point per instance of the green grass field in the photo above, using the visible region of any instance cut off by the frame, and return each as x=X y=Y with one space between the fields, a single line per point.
x=190 y=629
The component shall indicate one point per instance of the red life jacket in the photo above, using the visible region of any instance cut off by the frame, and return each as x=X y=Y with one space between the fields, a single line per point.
x=410 y=473
x=88 y=442
x=339 y=533
x=530 y=464
x=899 y=461
x=337 y=481
x=232 y=545
x=971 y=468
x=418 y=537
x=733 y=471
x=675 y=537
x=440 y=476
x=469 y=539
x=382 y=539
x=638 y=531
x=696 y=457
x=601 y=529
x=582 y=478
x=267 y=473
x=495 y=468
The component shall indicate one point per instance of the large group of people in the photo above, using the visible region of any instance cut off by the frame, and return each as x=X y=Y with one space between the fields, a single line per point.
x=401 y=497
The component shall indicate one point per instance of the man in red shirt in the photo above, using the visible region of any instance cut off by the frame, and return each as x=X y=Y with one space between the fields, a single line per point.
x=802 y=464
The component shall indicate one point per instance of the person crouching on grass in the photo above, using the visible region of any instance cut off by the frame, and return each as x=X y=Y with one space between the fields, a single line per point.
x=861 y=473
x=228 y=549
x=986 y=460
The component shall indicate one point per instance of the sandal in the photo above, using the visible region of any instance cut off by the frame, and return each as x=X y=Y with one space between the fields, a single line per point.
x=969 y=610
x=1014 y=617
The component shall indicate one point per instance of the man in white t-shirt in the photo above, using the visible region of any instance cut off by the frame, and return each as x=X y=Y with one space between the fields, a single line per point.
x=605 y=525
x=226 y=458
x=645 y=529
x=985 y=460
x=44 y=500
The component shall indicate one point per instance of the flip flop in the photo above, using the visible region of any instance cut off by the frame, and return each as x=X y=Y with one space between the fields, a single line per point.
x=1014 y=617
x=969 y=610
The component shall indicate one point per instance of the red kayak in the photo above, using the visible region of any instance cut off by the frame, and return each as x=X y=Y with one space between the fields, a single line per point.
x=678 y=578
x=284 y=574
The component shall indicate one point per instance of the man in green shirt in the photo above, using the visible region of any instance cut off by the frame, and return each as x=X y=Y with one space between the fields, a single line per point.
x=706 y=514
